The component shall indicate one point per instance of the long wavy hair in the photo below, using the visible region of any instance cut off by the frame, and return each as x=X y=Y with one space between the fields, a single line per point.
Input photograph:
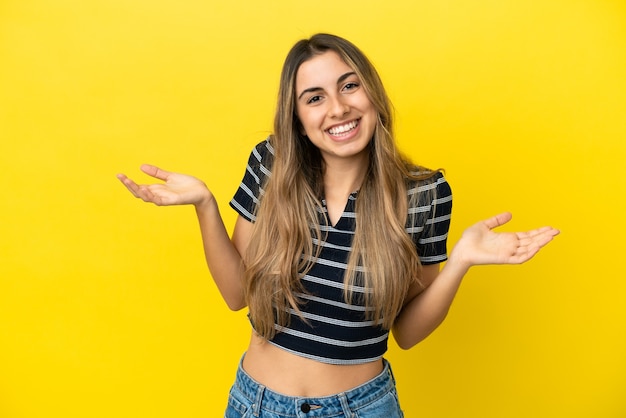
x=286 y=236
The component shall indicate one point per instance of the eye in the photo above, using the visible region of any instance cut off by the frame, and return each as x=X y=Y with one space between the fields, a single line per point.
x=313 y=99
x=352 y=85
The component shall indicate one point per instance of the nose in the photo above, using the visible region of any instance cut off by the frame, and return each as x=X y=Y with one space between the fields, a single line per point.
x=337 y=107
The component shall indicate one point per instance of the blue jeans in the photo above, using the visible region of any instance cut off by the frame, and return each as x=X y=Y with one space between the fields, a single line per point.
x=376 y=398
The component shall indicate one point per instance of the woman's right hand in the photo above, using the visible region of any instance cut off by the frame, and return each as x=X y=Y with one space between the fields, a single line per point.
x=177 y=189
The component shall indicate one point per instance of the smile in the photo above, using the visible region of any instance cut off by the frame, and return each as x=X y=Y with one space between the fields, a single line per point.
x=343 y=129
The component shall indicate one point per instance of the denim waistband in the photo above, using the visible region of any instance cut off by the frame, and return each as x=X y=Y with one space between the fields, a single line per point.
x=327 y=406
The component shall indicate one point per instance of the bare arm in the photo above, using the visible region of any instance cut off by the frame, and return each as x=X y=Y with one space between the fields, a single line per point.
x=223 y=256
x=423 y=312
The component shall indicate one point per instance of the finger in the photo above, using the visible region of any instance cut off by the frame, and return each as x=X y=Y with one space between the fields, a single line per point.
x=142 y=192
x=150 y=194
x=544 y=238
x=155 y=171
x=530 y=246
x=129 y=184
x=539 y=232
x=544 y=230
x=498 y=220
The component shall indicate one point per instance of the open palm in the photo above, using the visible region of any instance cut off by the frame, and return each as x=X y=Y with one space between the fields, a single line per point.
x=480 y=244
x=177 y=189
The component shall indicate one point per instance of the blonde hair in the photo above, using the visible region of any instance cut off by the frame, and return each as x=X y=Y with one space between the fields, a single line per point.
x=282 y=249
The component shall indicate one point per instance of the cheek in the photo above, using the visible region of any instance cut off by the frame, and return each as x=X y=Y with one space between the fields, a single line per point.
x=307 y=119
x=300 y=127
x=300 y=118
x=300 y=124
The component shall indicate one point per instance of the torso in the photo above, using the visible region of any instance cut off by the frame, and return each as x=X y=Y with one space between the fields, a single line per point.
x=292 y=375
x=320 y=355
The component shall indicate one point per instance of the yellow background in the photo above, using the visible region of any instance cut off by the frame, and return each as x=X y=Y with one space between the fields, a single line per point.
x=106 y=308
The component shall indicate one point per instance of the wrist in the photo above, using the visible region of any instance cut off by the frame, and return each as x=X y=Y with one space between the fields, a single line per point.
x=458 y=262
x=205 y=203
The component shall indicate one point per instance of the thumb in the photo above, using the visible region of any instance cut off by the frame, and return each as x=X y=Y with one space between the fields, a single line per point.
x=155 y=171
x=498 y=220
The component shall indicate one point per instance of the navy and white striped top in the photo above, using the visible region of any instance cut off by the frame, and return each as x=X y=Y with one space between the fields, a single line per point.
x=336 y=332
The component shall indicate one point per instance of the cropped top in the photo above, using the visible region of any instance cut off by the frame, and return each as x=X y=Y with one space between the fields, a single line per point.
x=336 y=332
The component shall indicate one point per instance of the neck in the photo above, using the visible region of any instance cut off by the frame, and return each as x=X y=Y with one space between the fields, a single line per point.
x=344 y=177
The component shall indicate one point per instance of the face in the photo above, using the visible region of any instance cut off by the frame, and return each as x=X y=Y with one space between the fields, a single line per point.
x=334 y=109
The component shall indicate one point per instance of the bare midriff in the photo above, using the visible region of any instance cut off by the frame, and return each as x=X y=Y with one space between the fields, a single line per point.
x=292 y=375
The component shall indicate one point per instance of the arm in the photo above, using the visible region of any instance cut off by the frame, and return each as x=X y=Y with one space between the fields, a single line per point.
x=424 y=312
x=223 y=256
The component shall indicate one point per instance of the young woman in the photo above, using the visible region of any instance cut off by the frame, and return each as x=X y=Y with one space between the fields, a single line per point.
x=338 y=241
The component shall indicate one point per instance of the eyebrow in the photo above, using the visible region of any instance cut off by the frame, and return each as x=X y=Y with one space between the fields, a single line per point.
x=339 y=81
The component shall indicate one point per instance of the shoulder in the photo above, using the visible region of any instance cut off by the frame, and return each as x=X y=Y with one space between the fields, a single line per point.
x=429 y=187
x=260 y=161
x=251 y=188
x=429 y=214
x=263 y=152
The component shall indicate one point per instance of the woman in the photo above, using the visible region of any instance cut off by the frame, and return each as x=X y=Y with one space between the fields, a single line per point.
x=338 y=241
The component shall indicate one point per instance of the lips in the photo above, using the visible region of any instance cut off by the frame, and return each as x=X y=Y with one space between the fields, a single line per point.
x=343 y=129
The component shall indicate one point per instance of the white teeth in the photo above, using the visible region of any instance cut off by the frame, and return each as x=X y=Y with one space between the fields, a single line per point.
x=337 y=130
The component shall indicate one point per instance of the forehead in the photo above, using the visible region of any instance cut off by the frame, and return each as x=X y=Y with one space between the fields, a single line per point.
x=322 y=70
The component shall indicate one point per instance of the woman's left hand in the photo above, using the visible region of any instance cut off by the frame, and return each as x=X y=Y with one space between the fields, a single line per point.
x=479 y=244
